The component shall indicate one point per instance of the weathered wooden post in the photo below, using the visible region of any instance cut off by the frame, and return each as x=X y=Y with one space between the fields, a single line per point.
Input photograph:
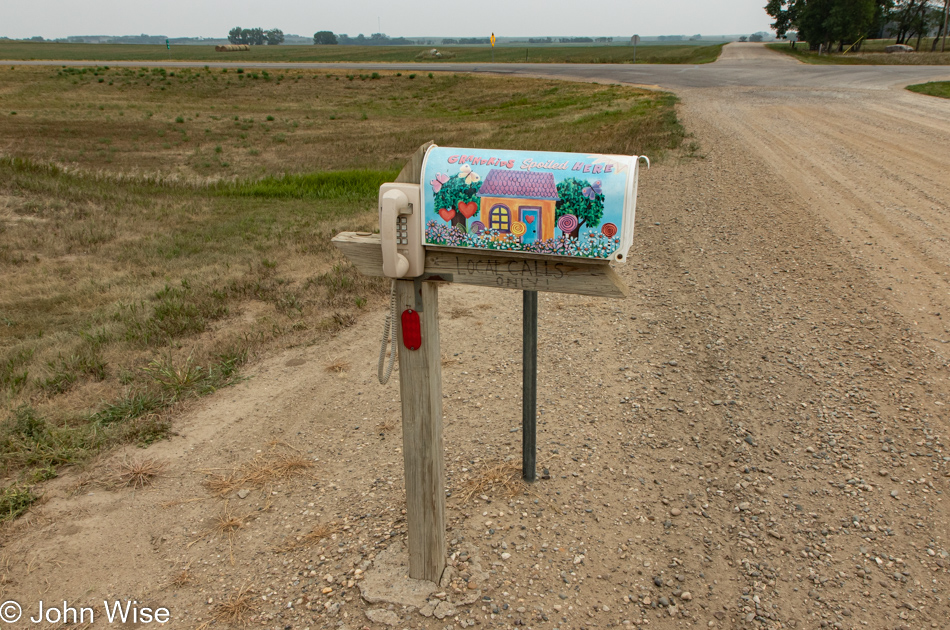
x=420 y=390
x=512 y=244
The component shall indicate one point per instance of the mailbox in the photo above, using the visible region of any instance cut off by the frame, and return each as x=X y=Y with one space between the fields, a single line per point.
x=535 y=203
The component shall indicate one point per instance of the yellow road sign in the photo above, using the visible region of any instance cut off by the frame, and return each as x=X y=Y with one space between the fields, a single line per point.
x=493 y=40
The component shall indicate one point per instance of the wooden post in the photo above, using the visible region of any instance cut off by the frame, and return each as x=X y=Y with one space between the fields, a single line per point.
x=420 y=388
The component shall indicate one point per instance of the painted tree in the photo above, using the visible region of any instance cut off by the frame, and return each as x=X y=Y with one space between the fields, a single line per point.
x=454 y=192
x=588 y=210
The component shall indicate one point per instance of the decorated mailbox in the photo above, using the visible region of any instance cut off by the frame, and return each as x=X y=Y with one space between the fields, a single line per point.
x=557 y=204
x=491 y=211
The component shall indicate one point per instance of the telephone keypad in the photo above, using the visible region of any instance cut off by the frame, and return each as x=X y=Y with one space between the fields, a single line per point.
x=402 y=230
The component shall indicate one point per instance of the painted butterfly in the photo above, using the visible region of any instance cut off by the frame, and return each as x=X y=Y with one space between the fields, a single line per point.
x=591 y=191
x=440 y=179
x=468 y=175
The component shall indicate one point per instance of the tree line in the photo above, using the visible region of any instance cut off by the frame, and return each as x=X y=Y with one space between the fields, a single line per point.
x=840 y=23
x=376 y=39
x=256 y=36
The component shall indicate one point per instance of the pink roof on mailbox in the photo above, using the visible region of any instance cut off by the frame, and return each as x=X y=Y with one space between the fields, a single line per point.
x=519 y=184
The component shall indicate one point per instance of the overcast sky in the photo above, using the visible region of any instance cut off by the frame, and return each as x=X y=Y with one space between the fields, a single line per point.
x=461 y=18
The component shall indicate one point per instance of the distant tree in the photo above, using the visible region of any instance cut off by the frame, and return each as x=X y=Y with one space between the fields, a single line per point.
x=253 y=36
x=573 y=201
x=755 y=37
x=236 y=35
x=823 y=22
x=274 y=37
x=743 y=38
x=324 y=38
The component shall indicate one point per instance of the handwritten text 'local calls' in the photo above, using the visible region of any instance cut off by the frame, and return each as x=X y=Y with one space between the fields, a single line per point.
x=530 y=164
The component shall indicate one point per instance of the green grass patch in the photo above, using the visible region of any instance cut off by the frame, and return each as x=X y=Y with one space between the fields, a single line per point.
x=14 y=501
x=933 y=88
x=352 y=185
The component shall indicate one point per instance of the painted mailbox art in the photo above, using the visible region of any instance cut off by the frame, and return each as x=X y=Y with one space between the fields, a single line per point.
x=558 y=204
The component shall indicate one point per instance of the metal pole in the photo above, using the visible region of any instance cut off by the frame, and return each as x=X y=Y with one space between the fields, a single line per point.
x=529 y=362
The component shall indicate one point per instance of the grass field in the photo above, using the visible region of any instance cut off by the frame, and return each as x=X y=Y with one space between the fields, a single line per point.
x=872 y=53
x=158 y=228
x=933 y=88
x=403 y=54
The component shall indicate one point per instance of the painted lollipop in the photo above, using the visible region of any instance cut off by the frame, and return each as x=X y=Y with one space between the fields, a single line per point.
x=477 y=227
x=567 y=223
x=518 y=228
x=609 y=230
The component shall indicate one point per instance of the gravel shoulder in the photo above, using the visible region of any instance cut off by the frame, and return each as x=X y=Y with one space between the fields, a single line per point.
x=756 y=438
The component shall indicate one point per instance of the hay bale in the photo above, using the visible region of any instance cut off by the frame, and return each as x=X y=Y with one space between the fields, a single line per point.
x=232 y=48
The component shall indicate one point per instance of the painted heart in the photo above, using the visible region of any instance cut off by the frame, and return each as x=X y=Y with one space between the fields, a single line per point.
x=529 y=219
x=468 y=208
x=446 y=214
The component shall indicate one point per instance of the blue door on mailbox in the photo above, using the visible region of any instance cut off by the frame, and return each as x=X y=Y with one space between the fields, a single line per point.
x=531 y=218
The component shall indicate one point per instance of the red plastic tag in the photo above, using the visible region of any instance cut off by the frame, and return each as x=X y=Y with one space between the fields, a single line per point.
x=411 y=330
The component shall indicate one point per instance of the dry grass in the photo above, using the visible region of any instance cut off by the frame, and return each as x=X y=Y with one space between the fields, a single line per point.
x=498 y=479
x=227 y=522
x=311 y=538
x=459 y=312
x=150 y=242
x=337 y=366
x=138 y=473
x=872 y=53
x=389 y=424
x=259 y=472
x=225 y=525
x=236 y=609
x=181 y=579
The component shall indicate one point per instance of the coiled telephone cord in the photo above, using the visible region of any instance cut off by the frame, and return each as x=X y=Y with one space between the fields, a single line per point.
x=388 y=337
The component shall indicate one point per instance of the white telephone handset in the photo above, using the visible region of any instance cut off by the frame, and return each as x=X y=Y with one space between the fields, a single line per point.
x=400 y=234
x=400 y=230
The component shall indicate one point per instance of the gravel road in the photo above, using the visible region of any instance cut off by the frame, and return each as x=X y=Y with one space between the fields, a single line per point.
x=757 y=438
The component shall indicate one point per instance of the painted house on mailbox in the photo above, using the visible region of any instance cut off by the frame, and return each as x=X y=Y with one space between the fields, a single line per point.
x=525 y=196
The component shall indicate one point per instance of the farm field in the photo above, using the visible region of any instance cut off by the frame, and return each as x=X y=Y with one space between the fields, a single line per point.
x=872 y=53
x=157 y=227
x=655 y=53
x=755 y=439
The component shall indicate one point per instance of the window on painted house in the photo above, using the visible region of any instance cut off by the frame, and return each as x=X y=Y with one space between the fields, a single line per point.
x=500 y=218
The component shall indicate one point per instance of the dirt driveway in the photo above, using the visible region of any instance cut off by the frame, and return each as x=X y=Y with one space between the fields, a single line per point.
x=757 y=438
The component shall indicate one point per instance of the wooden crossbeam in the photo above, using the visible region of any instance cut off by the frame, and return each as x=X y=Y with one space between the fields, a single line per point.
x=491 y=269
